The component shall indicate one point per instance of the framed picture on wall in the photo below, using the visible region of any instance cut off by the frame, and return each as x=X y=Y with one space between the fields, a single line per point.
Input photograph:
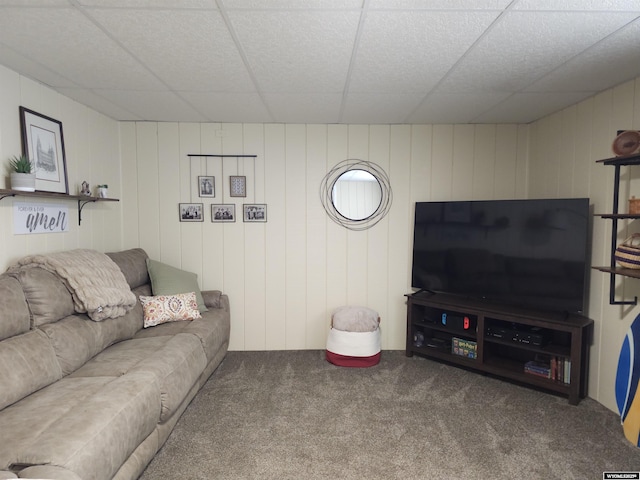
x=255 y=212
x=223 y=212
x=43 y=143
x=206 y=186
x=237 y=186
x=191 y=212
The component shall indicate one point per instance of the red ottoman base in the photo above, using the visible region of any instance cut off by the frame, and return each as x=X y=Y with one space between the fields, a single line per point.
x=358 y=362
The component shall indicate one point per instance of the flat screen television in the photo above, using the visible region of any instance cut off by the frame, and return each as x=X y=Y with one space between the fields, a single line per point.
x=530 y=253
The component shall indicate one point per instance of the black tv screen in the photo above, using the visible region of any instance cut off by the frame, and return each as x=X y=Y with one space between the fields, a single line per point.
x=529 y=253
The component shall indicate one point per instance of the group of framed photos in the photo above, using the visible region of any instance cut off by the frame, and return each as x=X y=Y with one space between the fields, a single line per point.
x=207 y=186
x=223 y=212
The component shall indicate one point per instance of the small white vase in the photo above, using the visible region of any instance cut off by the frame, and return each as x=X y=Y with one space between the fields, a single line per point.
x=24 y=182
x=103 y=192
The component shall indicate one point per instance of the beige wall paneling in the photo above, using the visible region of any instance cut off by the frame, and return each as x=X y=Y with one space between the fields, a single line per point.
x=612 y=327
x=84 y=150
x=191 y=237
x=169 y=161
x=255 y=280
x=148 y=189
x=317 y=313
x=484 y=162
x=105 y=169
x=400 y=230
x=10 y=145
x=212 y=264
x=580 y=135
x=357 y=268
x=442 y=161
x=462 y=162
x=570 y=172
x=421 y=168
x=522 y=161
x=378 y=253
x=295 y=234
x=506 y=154
x=129 y=185
x=236 y=258
x=275 y=256
x=622 y=119
x=91 y=144
x=337 y=251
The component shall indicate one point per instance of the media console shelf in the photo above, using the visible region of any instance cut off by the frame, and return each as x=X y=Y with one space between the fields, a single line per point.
x=503 y=341
x=82 y=199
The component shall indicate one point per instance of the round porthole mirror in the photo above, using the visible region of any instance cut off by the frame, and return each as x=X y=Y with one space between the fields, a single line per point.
x=356 y=194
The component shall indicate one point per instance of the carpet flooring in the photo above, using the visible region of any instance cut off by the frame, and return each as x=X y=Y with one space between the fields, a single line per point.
x=292 y=415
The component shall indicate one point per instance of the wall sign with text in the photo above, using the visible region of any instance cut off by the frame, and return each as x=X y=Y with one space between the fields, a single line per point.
x=39 y=218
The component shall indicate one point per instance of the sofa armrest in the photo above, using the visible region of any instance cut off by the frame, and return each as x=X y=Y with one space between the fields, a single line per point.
x=215 y=299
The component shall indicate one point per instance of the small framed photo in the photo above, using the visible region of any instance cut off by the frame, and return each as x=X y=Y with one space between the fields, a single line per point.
x=43 y=143
x=255 y=212
x=206 y=186
x=237 y=186
x=191 y=212
x=223 y=213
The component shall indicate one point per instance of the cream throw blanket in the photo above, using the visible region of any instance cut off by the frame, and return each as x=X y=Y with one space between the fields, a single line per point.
x=96 y=283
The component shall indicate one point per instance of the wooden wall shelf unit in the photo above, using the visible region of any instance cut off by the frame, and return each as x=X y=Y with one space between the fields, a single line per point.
x=615 y=216
x=82 y=199
x=565 y=346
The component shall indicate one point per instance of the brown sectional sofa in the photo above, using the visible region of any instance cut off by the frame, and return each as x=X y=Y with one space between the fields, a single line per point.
x=88 y=400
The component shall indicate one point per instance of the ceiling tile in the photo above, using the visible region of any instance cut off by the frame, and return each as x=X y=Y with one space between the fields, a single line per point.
x=411 y=51
x=80 y=51
x=31 y=69
x=578 y=5
x=34 y=3
x=528 y=107
x=524 y=46
x=305 y=108
x=613 y=61
x=230 y=107
x=173 y=4
x=98 y=103
x=454 y=107
x=293 y=52
x=293 y=4
x=148 y=105
x=440 y=4
x=379 y=107
x=203 y=55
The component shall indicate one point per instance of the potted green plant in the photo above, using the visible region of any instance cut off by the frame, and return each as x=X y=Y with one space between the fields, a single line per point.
x=103 y=191
x=23 y=173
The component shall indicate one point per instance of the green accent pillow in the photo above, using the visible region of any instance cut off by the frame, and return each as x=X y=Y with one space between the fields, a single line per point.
x=168 y=280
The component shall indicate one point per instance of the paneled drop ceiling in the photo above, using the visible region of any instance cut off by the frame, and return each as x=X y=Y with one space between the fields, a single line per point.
x=324 y=61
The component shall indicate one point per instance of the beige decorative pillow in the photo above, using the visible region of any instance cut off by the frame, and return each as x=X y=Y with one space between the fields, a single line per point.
x=169 y=308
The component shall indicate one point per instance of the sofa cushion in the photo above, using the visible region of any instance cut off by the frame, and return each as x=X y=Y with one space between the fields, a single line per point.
x=133 y=265
x=47 y=296
x=87 y=425
x=14 y=311
x=168 y=280
x=76 y=338
x=27 y=364
x=212 y=330
x=175 y=361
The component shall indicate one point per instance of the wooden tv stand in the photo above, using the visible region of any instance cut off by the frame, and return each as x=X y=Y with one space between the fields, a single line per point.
x=503 y=339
